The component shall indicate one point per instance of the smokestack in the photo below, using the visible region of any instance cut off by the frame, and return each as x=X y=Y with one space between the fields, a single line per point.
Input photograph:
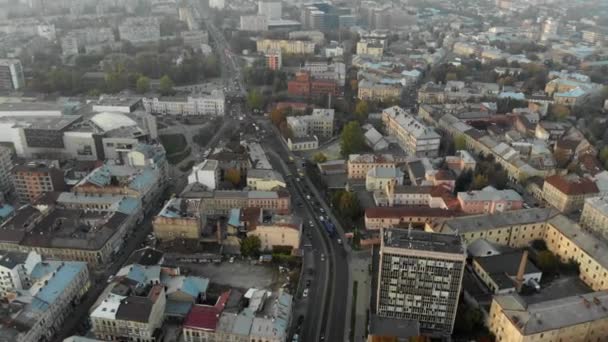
x=519 y=280
x=219 y=233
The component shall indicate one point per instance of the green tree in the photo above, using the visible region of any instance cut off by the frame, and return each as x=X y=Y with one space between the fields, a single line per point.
x=166 y=85
x=351 y=139
x=319 y=157
x=362 y=110
x=460 y=142
x=254 y=99
x=143 y=84
x=480 y=181
x=233 y=175
x=250 y=246
x=547 y=261
x=560 y=112
x=604 y=154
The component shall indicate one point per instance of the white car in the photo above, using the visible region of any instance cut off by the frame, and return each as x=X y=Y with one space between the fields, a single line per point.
x=305 y=293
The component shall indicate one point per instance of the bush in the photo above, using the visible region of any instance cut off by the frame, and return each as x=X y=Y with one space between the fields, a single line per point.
x=173 y=143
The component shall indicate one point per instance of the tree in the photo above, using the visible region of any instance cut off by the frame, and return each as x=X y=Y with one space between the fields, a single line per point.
x=463 y=182
x=559 y=111
x=347 y=204
x=250 y=246
x=143 y=84
x=254 y=99
x=166 y=85
x=285 y=130
x=604 y=154
x=362 y=110
x=233 y=175
x=480 y=181
x=460 y=142
x=277 y=116
x=547 y=262
x=319 y=157
x=351 y=139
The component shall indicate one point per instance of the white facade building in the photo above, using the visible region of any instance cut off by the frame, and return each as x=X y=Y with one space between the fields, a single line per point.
x=140 y=30
x=206 y=173
x=217 y=4
x=272 y=9
x=192 y=105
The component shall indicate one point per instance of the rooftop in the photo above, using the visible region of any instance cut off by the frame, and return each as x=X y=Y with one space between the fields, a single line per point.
x=599 y=203
x=503 y=267
x=490 y=194
x=423 y=241
x=499 y=220
x=572 y=185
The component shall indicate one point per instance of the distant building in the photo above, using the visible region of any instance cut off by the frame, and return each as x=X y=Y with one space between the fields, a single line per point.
x=213 y=105
x=595 y=214
x=272 y=9
x=429 y=294
x=217 y=4
x=359 y=165
x=460 y=162
x=303 y=143
x=11 y=75
x=305 y=84
x=369 y=90
x=178 y=219
x=378 y=177
x=206 y=173
x=195 y=39
x=34 y=178
x=370 y=49
x=254 y=23
x=274 y=60
x=265 y=180
x=140 y=30
x=319 y=123
x=415 y=138
x=568 y=193
x=221 y=202
x=6 y=164
x=286 y=46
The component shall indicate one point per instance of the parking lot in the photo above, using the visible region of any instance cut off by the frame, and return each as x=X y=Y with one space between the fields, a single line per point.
x=240 y=274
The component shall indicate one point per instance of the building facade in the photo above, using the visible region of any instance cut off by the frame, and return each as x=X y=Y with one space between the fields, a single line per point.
x=11 y=75
x=212 y=105
x=414 y=137
x=595 y=214
x=568 y=194
x=299 y=47
x=33 y=179
x=358 y=165
x=420 y=277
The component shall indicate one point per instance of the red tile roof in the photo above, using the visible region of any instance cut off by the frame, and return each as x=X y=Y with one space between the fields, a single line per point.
x=580 y=186
x=202 y=317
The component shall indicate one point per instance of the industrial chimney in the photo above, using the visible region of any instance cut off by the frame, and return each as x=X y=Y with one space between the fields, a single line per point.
x=519 y=279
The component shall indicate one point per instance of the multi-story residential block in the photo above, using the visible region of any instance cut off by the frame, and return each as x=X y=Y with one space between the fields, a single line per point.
x=15 y=271
x=221 y=202
x=379 y=177
x=301 y=47
x=595 y=215
x=34 y=178
x=574 y=318
x=319 y=123
x=370 y=48
x=568 y=193
x=11 y=75
x=52 y=289
x=414 y=137
x=272 y=9
x=358 y=165
x=180 y=218
x=265 y=180
x=140 y=30
x=434 y=265
x=274 y=60
x=489 y=201
x=212 y=105
x=317 y=37
x=72 y=227
x=385 y=217
x=206 y=173
x=369 y=90
x=280 y=231
x=195 y=39
x=6 y=165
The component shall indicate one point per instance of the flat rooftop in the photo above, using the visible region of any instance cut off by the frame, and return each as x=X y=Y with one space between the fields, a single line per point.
x=424 y=241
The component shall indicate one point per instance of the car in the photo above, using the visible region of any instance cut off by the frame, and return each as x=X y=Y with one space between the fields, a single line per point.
x=300 y=320
x=322 y=257
x=311 y=223
x=305 y=293
x=231 y=260
x=321 y=218
x=339 y=241
x=322 y=210
x=308 y=282
x=308 y=197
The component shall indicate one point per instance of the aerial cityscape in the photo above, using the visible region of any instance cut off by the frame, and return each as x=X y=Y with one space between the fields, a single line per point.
x=297 y=171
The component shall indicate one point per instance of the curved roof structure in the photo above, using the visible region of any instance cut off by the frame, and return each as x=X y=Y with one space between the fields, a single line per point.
x=108 y=121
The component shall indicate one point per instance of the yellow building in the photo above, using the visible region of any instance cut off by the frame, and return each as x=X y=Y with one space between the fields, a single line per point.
x=568 y=194
x=579 y=318
x=595 y=214
x=358 y=165
x=179 y=219
x=283 y=231
x=300 y=47
x=368 y=90
x=370 y=49
x=264 y=180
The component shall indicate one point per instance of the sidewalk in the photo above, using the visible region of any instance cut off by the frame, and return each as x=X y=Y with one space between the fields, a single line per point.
x=359 y=266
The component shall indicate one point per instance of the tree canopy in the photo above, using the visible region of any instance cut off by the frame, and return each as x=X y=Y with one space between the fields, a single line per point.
x=351 y=139
x=166 y=85
x=143 y=84
x=250 y=246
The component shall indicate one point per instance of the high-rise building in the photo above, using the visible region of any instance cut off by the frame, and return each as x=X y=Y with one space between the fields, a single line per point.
x=274 y=60
x=6 y=164
x=420 y=277
x=34 y=178
x=272 y=9
x=11 y=74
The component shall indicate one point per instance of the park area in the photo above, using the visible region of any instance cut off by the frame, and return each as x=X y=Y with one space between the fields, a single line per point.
x=176 y=147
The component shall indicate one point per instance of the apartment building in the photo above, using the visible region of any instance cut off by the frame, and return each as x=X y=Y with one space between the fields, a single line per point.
x=180 y=218
x=369 y=90
x=206 y=173
x=460 y=162
x=384 y=217
x=358 y=165
x=34 y=178
x=52 y=288
x=211 y=105
x=281 y=231
x=575 y=318
x=11 y=75
x=15 y=271
x=370 y=49
x=414 y=137
x=254 y=23
x=221 y=202
x=420 y=277
x=138 y=30
x=568 y=193
x=305 y=84
x=274 y=60
x=595 y=215
x=301 y=47
x=489 y=201
x=303 y=143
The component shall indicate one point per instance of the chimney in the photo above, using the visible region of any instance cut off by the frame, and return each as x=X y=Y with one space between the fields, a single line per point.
x=519 y=280
x=219 y=233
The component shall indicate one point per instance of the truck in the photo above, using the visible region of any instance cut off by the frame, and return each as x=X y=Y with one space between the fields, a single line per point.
x=330 y=228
